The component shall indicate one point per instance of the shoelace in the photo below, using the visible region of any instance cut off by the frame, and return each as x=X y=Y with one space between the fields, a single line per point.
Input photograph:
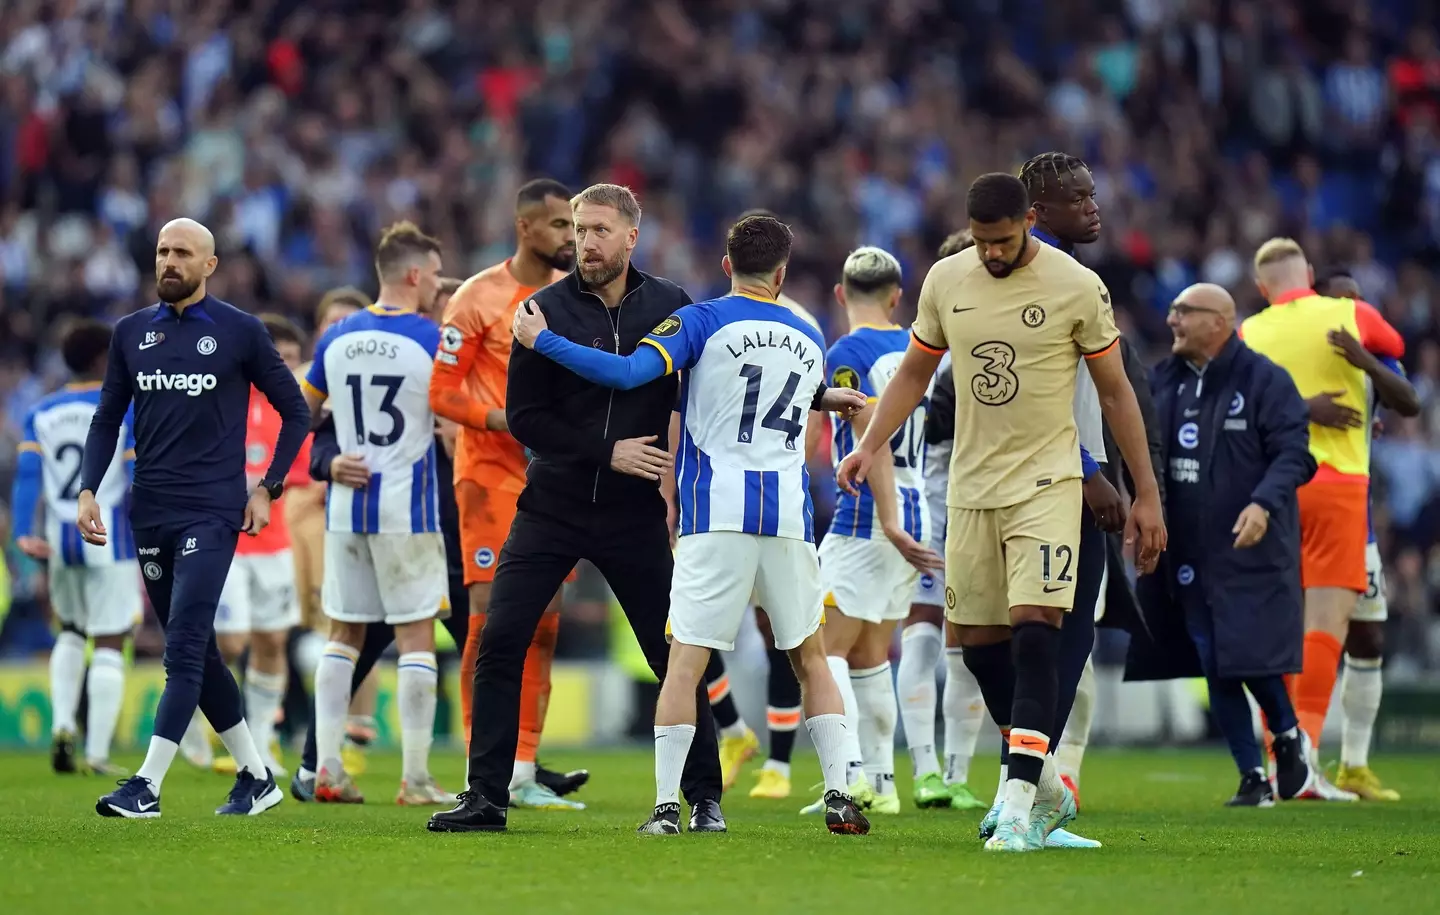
x=244 y=786
x=135 y=782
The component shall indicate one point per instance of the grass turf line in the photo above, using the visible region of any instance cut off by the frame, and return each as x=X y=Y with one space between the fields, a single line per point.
x=1171 y=848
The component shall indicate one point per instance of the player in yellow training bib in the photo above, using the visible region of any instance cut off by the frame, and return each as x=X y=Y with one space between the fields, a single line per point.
x=1016 y=316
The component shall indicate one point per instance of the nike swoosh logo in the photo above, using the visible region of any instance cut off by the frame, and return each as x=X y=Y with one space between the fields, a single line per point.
x=1050 y=590
x=1105 y=297
x=188 y=552
x=957 y=309
x=150 y=344
x=144 y=807
x=1192 y=412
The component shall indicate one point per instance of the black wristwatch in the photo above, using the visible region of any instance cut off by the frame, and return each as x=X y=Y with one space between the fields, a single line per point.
x=274 y=489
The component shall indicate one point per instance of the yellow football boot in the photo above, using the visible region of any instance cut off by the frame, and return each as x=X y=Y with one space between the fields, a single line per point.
x=771 y=785
x=1362 y=781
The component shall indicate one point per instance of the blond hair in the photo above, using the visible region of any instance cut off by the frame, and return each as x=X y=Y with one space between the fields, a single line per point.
x=616 y=196
x=869 y=269
x=1276 y=250
x=398 y=244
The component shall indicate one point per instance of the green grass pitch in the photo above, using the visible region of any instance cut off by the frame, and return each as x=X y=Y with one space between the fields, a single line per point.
x=1171 y=848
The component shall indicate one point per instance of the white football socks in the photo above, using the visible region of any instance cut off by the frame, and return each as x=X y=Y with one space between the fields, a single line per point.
x=1360 y=691
x=828 y=734
x=263 y=694
x=672 y=745
x=522 y=773
x=1019 y=800
x=67 y=671
x=241 y=745
x=854 y=765
x=920 y=650
x=964 y=710
x=875 y=705
x=106 y=683
x=1071 y=752
x=1050 y=789
x=157 y=762
x=332 y=699
x=416 y=681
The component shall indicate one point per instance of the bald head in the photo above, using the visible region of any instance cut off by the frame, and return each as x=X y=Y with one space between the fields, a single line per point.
x=1209 y=296
x=191 y=232
x=184 y=260
x=1202 y=318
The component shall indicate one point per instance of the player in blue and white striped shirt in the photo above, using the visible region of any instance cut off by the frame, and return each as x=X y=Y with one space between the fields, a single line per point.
x=873 y=556
x=384 y=554
x=95 y=590
x=753 y=371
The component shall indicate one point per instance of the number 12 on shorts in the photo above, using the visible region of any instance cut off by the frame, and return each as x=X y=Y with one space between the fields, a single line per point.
x=1059 y=557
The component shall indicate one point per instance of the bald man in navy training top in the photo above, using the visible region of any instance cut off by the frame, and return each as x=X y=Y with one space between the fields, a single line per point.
x=188 y=363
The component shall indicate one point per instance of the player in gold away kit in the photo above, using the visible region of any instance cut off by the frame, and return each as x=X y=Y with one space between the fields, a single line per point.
x=1017 y=316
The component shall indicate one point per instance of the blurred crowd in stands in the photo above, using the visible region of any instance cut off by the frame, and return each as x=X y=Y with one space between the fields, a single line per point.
x=296 y=130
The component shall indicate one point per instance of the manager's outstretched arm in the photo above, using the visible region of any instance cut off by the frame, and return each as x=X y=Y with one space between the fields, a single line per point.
x=899 y=399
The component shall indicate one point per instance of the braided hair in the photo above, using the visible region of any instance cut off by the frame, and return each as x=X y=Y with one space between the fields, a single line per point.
x=1037 y=173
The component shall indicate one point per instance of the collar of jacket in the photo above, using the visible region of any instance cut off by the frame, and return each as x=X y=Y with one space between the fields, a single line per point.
x=1041 y=235
x=1216 y=368
x=634 y=278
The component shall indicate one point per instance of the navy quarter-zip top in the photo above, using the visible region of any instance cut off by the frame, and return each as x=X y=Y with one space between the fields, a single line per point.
x=189 y=374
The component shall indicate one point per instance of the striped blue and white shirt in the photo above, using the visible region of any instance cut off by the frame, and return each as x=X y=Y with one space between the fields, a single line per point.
x=49 y=468
x=866 y=359
x=752 y=369
x=375 y=366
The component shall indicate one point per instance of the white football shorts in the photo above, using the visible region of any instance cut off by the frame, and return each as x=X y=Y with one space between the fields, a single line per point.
x=97 y=600
x=717 y=572
x=1372 y=607
x=385 y=578
x=866 y=580
x=259 y=595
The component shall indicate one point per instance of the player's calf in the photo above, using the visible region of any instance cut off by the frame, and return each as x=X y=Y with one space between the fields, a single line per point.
x=417 y=677
x=106 y=686
x=67 y=672
x=333 y=676
x=675 y=713
x=265 y=681
x=1361 y=688
x=825 y=720
x=874 y=690
x=987 y=653
x=1035 y=646
x=920 y=649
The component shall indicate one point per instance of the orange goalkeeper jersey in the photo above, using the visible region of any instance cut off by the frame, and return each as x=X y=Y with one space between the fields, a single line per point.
x=469 y=377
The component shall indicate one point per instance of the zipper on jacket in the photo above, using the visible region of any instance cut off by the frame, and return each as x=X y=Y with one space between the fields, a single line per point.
x=610 y=404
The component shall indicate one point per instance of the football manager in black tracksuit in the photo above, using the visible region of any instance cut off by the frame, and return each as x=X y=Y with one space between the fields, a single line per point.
x=592 y=492
x=1226 y=601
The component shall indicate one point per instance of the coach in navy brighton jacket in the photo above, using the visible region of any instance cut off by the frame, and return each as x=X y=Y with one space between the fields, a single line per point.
x=1251 y=443
x=189 y=374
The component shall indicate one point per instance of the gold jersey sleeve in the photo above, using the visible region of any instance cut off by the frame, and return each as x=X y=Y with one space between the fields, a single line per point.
x=1015 y=343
